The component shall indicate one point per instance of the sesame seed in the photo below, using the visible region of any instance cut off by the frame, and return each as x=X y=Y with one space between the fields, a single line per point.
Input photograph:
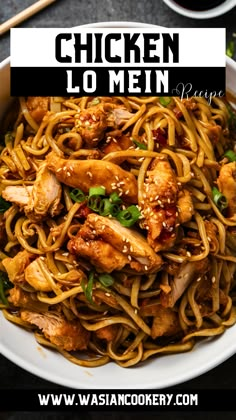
x=213 y=279
x=188 y=254
x=68 y=173
x=129 y=257
x=199 y=279
x=136 y=311
x=145 y=267
x=107 y=294
x=65 y=254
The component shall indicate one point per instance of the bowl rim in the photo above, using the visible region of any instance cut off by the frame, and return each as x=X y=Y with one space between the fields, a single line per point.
x=185 y=375
x=204 y=14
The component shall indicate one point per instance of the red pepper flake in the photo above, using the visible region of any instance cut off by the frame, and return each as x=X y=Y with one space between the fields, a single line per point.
x=178 y=113
x=83 y=211
x=160 y=136
x=165 y=235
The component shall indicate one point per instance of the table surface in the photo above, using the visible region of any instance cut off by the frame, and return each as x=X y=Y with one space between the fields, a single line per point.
x=68 y=13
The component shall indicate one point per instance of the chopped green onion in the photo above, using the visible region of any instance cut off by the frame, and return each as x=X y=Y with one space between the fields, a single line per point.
x=77 y=195
x=230 y=49
x=106 y=279
x=3 y=298
x=94 y=102
x=219 y=199
x=231 y=155
x=97 y=191
x=4 y=205
x=164 y=100
x=5 y=284
x=107 y=208
x=88 y=289
x=115 y=198
x=94 y=203
x=128 y=216
x=140 y=145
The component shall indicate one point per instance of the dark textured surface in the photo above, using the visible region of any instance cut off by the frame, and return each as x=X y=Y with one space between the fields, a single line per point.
x=67 y=13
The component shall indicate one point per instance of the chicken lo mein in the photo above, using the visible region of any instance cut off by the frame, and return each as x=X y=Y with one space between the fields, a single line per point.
x=118 y=224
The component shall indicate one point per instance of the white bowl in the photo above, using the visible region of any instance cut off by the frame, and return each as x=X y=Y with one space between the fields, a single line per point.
x=204 y=14
x=20 y=346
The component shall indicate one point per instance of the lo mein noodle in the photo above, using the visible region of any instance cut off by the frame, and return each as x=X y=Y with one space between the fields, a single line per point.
x=118 y=224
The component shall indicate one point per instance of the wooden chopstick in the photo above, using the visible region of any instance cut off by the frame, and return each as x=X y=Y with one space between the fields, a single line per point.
x=25 y=14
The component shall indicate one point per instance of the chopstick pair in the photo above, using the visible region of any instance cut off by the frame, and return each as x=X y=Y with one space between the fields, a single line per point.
x=25 y=14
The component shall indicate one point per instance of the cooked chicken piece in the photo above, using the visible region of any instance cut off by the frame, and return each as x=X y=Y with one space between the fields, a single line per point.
x=46 y=196
x=227 y=185
x=214 y=133
x=68 y=335
x=101 y=254
x=107 y=333
x=26 y=300
x=37 y=106
x=188 y=272
x=17 y=194
x=16 y=266
x=84 y=174
x=159 y=205
x=41 y=199
x=116 y=144
x=165 y=323
x=92 y=123
x=185 y=206
x=118 y=116
x=111 y=246
x=35 y=277
x=204 y=294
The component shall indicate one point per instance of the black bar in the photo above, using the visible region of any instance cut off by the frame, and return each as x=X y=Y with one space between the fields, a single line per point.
x=53 y=81
x=109 y=400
